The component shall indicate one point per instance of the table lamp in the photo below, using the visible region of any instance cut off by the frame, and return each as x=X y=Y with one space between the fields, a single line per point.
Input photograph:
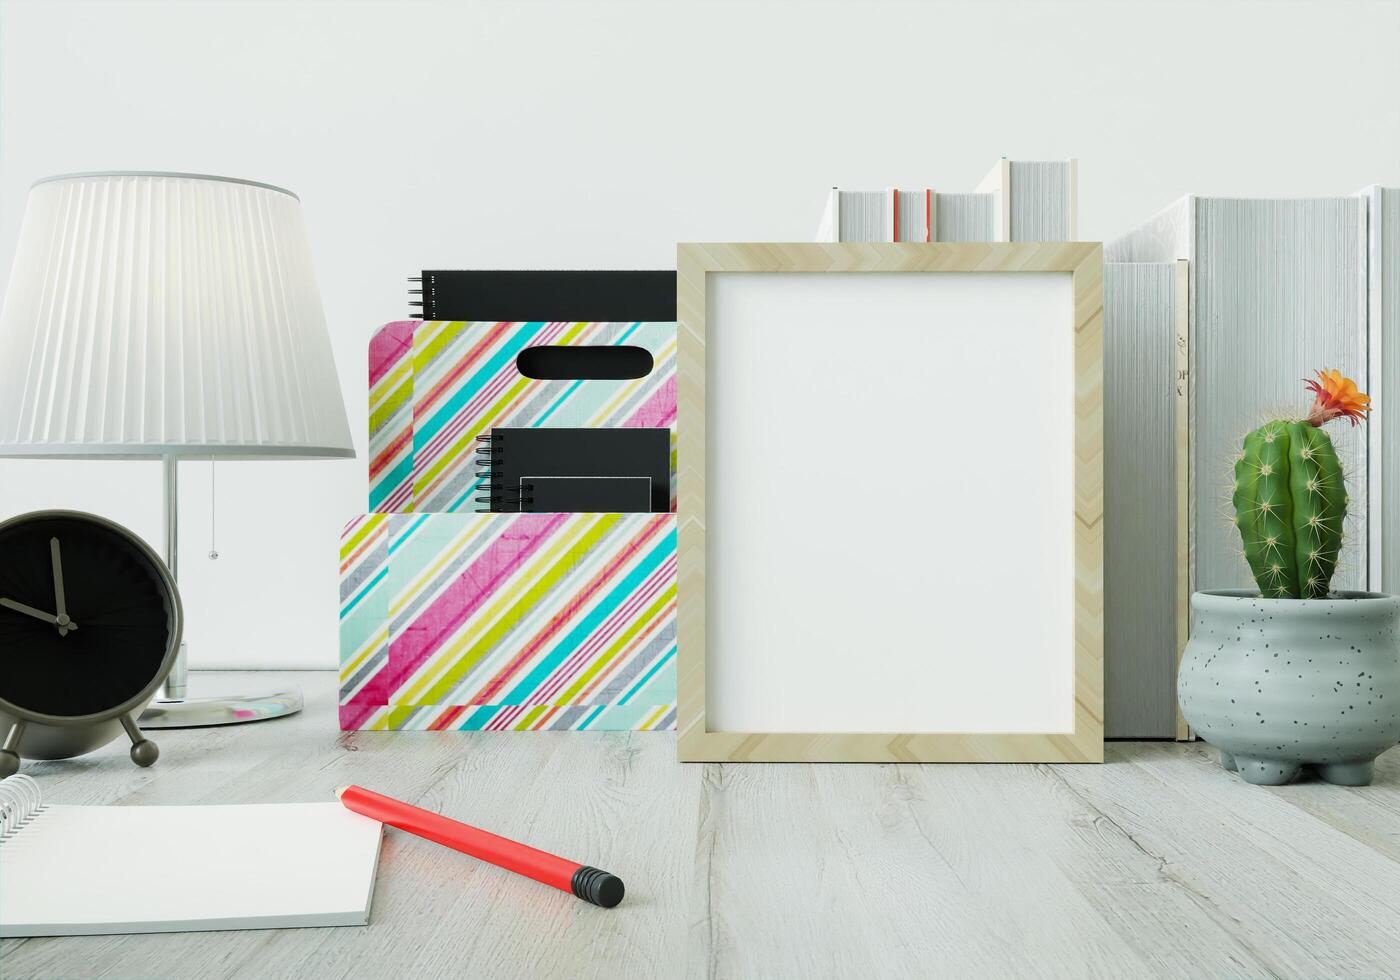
x=168 y=316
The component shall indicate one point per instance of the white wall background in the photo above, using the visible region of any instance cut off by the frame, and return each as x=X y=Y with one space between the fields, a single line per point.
x=597 y=134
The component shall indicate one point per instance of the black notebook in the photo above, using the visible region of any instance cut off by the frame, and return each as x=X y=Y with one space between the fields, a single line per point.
x=575 y=470
x=547 y=295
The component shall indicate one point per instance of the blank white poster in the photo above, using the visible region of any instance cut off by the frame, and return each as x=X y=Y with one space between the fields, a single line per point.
x=890 y=502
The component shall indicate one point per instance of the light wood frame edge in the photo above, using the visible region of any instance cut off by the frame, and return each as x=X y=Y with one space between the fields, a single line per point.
x=1084 y=261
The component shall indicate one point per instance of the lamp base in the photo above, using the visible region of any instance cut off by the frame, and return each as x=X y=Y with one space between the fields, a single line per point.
x=233 y=709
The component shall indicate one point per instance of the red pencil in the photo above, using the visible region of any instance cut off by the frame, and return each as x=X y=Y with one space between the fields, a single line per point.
x=580 y=880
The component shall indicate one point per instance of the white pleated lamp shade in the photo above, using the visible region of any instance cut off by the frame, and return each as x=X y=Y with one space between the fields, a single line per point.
x=166 y=314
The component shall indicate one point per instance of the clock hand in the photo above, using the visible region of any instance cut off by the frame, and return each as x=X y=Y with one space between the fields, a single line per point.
x=20 y=607
x=61 y=612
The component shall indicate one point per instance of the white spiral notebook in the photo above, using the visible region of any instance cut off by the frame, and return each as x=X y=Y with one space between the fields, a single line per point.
x=93 y=870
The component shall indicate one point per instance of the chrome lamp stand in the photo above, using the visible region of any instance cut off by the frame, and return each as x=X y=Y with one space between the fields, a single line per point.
x=173 y=709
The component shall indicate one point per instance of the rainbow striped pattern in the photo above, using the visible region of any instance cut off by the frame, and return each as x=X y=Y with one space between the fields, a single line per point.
x=391 y=417
x=508 y=622
x=456 y=620
x=435 y=386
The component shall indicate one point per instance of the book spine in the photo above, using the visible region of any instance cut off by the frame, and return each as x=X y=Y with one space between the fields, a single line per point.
x=1383 y=289
x=1072 y=189
x=1181 y=395
x=997 y=183
x=829 y=229
x=1144 y=488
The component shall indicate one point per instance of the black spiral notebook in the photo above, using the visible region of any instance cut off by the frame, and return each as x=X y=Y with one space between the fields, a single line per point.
x=548 y=295
x=615 y=471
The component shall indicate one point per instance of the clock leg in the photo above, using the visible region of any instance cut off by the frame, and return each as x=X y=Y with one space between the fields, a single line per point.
x=9 y=751
x=143 y=750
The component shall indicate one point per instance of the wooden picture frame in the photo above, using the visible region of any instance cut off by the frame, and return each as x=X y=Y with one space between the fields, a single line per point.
x=1083 y=740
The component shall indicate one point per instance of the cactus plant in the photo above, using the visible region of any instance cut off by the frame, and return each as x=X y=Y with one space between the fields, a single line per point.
x=1289 y=494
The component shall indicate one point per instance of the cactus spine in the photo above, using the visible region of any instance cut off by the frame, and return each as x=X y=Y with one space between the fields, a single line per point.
x=1290 y=503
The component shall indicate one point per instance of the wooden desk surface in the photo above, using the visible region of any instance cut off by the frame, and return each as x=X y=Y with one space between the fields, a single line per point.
x=1155 y=864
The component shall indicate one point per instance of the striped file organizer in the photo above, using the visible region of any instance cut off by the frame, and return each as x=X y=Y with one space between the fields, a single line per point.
x=458 y=620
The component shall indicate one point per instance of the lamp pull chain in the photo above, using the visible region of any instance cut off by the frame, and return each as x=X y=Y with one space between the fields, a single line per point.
x=213 y=551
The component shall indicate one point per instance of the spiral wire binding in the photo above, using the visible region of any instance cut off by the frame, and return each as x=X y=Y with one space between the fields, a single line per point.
x=499 y=497
x=21 y=801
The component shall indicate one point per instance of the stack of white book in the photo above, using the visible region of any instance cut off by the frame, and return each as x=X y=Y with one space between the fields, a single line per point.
x=1278 y=288
x=1018 y=201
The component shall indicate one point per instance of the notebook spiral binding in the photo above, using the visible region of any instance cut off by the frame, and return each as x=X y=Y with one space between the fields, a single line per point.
x=21 y=801
x=490 y=450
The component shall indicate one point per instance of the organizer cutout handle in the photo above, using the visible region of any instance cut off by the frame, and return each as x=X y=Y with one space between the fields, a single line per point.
x=550 y=363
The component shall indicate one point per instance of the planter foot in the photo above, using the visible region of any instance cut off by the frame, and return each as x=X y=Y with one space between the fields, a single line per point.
x=1266 y=772
x=1227 y=761
x=1349 y=773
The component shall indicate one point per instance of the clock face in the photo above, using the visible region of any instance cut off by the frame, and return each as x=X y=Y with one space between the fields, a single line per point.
x=86 y=616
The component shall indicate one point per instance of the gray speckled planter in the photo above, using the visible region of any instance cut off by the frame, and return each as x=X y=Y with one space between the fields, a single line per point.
x=1276 y=684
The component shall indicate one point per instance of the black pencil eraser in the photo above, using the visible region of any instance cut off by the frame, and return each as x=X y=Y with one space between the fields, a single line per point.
x=597 y=886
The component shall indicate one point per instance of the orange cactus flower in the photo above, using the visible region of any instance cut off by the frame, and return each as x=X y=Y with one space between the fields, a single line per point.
x=1336 y=396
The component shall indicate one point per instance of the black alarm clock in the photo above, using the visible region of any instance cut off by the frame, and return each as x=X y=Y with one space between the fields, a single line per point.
x=90 y=624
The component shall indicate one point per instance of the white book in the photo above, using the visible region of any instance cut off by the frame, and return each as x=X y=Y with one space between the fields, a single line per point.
x=1145 y=499
x=860 y=216
x=1277 y=291
x=829 y=229
x=1044 y=200
x=1034 y=200
x=1018 y=201
x=964 y=217
x=997 y=184
x=913 y=215
x=95 y=870
x=1383 y=382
